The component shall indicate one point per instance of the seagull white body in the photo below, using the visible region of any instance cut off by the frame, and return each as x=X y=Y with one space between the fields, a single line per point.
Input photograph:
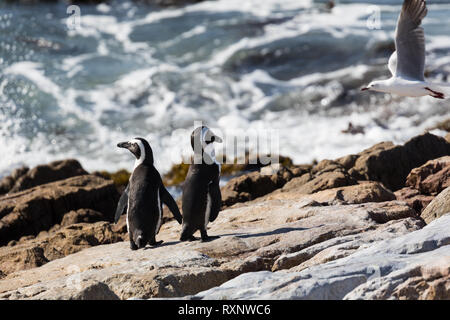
x=407 y=63
x=403 y=87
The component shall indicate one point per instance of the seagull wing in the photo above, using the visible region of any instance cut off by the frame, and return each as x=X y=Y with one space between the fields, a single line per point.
x=410 y=40
x=393 y=63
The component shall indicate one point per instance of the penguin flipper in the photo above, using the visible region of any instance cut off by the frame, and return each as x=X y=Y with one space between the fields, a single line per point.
x=214 y=199
x=168 y=200
x=122 y=205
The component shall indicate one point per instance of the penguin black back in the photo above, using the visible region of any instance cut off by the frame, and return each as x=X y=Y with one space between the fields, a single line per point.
x=201 y=199
x=144 y=196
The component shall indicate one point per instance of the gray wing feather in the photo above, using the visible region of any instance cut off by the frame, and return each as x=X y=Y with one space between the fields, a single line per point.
x=410 y=40
x=122 y=205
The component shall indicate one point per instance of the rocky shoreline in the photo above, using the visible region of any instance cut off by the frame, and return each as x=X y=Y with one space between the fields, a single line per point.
x=372 y=225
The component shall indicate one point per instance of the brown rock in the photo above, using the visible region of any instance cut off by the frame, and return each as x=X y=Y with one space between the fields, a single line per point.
x=360 y=193
x=7 y=183
x=253 y=185
x=391 y=164
x=35 y=252
x=367 y=191
x=94 y=290
x=429 y=283
x=447 y=137
x=324 y=180
x=347 y=161
x=31 y=211
x=327 y=166
x=13 y=259
x=438 y=207
x=82 y=215
x=432 y=177
x=54 y=171
x=414 y=198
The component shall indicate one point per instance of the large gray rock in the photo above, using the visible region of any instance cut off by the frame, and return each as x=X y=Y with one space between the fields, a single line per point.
x=420 y=258
x=252 y=238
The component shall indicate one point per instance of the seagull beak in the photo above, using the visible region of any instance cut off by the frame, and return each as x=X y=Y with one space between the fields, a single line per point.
x=364 y=89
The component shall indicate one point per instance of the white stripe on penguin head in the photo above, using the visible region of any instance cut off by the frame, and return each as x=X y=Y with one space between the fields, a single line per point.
x=208 y=148
x=142 y=149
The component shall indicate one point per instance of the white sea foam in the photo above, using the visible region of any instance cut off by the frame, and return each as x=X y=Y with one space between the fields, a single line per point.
x=164 y=89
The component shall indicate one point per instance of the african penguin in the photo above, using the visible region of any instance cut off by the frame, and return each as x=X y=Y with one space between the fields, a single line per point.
x=143 y=197
x=201 y=199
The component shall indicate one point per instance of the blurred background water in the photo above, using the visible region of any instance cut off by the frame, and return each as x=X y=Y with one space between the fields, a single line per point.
x=129 y=69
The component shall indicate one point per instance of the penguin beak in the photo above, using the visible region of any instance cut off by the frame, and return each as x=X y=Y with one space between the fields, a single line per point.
x=364 y=89
x=125 y=145
x=217 y=139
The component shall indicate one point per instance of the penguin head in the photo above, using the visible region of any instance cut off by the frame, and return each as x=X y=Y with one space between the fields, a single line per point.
x=140 y=148
x=202 y=139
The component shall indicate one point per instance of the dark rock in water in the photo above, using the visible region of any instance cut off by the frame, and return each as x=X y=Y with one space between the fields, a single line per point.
x=22 y=179
x=438 y=207
x=391 y=164
x=31 y=211
x=82 y=215
x=351 y=129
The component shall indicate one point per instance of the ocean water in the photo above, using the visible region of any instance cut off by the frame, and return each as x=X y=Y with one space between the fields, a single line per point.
x=292 y=67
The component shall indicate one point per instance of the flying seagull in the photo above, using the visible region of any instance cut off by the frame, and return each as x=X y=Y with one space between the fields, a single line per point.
x=407 y=63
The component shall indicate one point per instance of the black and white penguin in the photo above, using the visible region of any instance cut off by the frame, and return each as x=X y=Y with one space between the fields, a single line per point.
x=144 y=197
x=201 y=198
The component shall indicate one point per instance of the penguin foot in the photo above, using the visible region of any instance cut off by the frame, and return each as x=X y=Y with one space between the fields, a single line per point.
x=191 y=238
x=156 y=243
x=133 y=246
x=209 y=238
